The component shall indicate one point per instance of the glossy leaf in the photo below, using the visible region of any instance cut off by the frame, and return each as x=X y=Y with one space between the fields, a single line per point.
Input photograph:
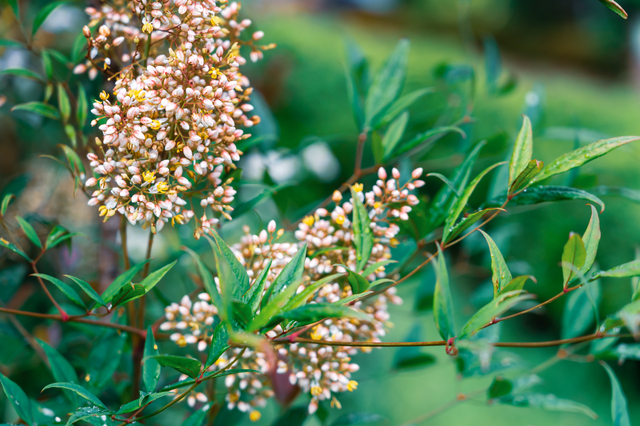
x=6 y=244
x=189 y=366
x=501 y=304
x=29 y=231
x=619 y=410
x=64 y=288
x=591 y=240
x=544 y=194
x=273 y=307
x=582 y=156
x=578 y=313
x=629 y=269
x=22 y=72
x=357 y=282
x=354 y=297
x=442 y=303
x=5 y=203
x=86 y=287
x=58 y=235
x=63 y=103
x=302 y=297
x=127 y=293
x=150 y=366
x=547 y=402
x=121 y=281
x=291 y=274
x=461 y=202
x=83 y=107
x=394 y=134
x=530 y=171
x=254 y=295
x=81 y=391
x=313 y=312
x=362 y=234
x=446 y=181
x=154 y=278
x=18 y=400
x=219 y=344
x=522 y=151
x=611 y=4
x=141 y=402
x=575 y=254
x=517 y=283
x=500 y=274
x=387 y=84
x=43 y=14
x=238 y=281
x=38 y=108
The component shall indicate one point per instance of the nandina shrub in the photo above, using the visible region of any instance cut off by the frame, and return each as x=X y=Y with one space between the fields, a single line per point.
x=280 y=314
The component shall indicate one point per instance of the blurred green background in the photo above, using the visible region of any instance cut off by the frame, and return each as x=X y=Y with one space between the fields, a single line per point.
x=576 y=70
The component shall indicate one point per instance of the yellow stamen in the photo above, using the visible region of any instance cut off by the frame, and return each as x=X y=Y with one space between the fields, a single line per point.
x=149 y=176
x=352 y=385
x=308 y=220
x=147 y=28
x=316 y=391
x=358 y=187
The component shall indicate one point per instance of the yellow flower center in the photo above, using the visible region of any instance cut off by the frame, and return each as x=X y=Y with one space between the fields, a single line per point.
x=149 y=176
x=308 y=220
x=352 y=385
x=358 y=187
x=340 y=219
x=255 y=415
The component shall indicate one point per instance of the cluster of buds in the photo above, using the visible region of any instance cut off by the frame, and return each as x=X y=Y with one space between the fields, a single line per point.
x=321 y=371
x=171 y=126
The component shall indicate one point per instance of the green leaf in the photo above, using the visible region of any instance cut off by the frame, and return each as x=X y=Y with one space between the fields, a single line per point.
x=5 y=203
x=197 y=418
x=189 y=366
x=394 y=134
x=219 y=345
x=83 y=107
x=377 y=148
x=81 y=391
x=499 y=387
x=357 y=282
x=253 y=297
x=522 y=151
x=10 y=43
x=582 y=156
x=79 y=48
x=150 y=366
x=313 y=312
x=467 y=222
x=442 y=304
x=15 y=6
x=136 y=404
x=29 y=231
x=24 y=73
x=354 y=99
x=154 y=278
x=302 y=297
x=403 y=103
x=209 y=284
x=591 y=239
x=524 y=178
x=18 y=400
x=238 y=280
x=575 y=254
x=578 y=313
x=425 y=136
x=64 y=288
x=387 y=85
x=546 y=402
x=446 y=181
x=274 y=306
x=629 y=269
x=461 y=202
x=410 y=357
x=619 y=411
x=86 y=287
x=63 y=103
x=60 y=368
x=85 y=413
x=445 y=198
x=611 y=4
x=74 y=160
x=6 y=244
x=291 y=274
x=127 y=293
x=543 y=194
x=516 y=284
x=208 y=375
x=38 y=108
x=121 y=281
x=104 y=358
x=501 y=276
x=362 y=234
x=501 y=304
x=47 y=65
x=375 y=266
x=43 y=14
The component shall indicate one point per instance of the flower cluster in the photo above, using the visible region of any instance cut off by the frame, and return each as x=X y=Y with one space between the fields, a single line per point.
x=321 y=371
x=171 y=127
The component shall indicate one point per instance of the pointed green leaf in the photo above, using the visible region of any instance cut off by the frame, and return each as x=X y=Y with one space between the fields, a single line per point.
x=136 y=404
x=240 y=278
x=43 y=14
x=74 y=159
x=582 y=156
x=127 y=293
x=467 y=222
x=619 y=411
x=353 y=298
x=64 y=288
x=29 y=231
x=442 y=304
x=121 y=281
x=578 y=313
x=543 y=194
x=575 y=254
x=86 y=287
x=362 y=234
x=104 y=358
x=313 y=312
x=394 y=134
x=83 y=107
x=47 y=65
x=530 y=171
x=24 y=73
x=591 y=239
x=387 y=84
x=501 y=304
x=354 y=99
x=253 y=297
x=18 y=400
x=209 y=284
x=501 y=276
x=629 y=269
x=219 y=345
x=426 y=136
x=5 y=203
x=302 y=297
x=150 y=366
x=189 y=366
x=291 y=274
x=6 y=244
x=375 y=266
x=403 y=103
x=154 y=278
x=611 y=4
x=461 y=202
x=357 y=282
x=516 y=284
x=77 y=389
x=274 y=306
x=60 y=368
x=63 y=103
x=522 y=151
x=38 y=108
